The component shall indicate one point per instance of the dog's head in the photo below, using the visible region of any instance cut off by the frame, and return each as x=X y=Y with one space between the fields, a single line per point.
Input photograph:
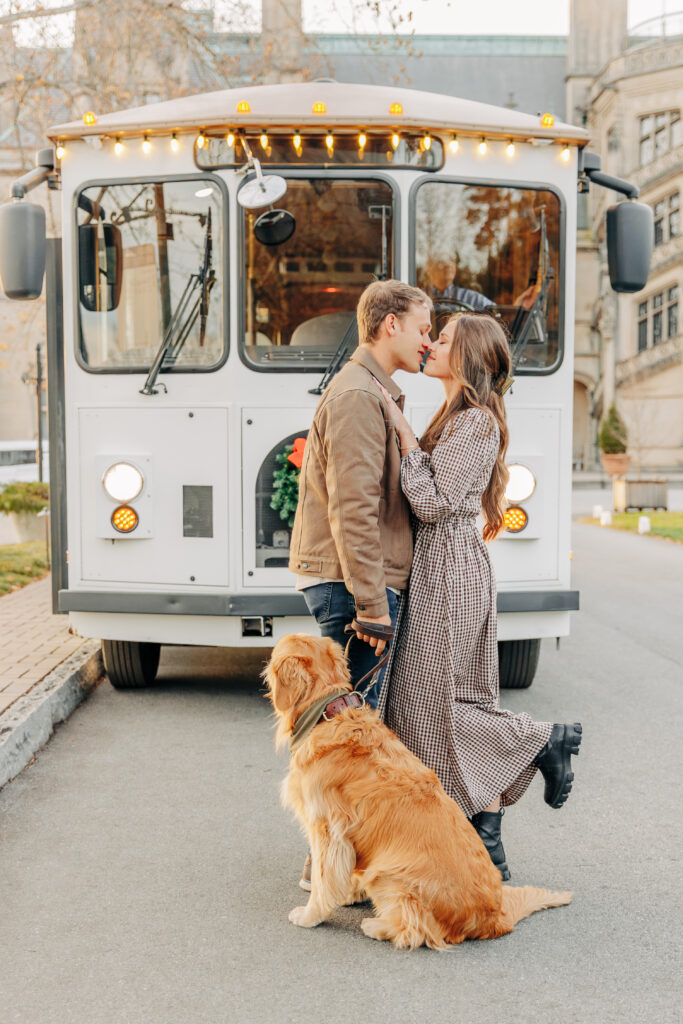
x=302 y=669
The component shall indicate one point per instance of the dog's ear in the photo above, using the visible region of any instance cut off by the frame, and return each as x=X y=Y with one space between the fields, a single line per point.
x=289 y=678
x=336 y=659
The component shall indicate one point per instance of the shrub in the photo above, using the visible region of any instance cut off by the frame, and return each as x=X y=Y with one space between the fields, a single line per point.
x=31 y=496
x=612 y=437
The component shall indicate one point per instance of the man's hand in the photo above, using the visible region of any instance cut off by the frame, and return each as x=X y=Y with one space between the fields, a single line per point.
x=385 y=620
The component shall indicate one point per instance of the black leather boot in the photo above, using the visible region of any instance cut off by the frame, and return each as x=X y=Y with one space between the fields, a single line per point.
x=487 y=825
x=554 y=762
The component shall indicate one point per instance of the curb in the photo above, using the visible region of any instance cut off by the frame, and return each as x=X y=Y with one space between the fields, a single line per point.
x=27 y=725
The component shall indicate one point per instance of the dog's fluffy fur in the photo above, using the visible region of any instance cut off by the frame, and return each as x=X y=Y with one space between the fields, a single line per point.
x=379 y=822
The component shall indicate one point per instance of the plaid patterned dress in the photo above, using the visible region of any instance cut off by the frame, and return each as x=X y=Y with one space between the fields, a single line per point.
x=441 y=691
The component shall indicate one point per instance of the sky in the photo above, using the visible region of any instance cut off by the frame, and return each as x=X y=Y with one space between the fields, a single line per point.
x=457 y=17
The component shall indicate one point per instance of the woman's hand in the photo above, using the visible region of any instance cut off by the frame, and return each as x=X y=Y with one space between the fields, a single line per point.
x=404 y=430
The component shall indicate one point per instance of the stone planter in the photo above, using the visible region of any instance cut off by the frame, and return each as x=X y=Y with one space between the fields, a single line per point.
x=639 y=494
x=28 y=526
x=616 y=464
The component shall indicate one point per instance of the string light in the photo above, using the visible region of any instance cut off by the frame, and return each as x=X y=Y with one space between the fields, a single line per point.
x=454 y=145
x=201 y=140
x=60 y=152
x=175 y=145
x=482 y=148
x=230 y=139
x=146 y=145
x=566 y=154
x=297 y=141
x=427 y=141
x=329 y=141
x=118 y=147
x=264 y=140
x=362 y=139
x=510 y=148
x=395 y=139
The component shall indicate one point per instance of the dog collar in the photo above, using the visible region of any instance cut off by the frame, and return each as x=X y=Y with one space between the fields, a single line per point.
x=322 y=711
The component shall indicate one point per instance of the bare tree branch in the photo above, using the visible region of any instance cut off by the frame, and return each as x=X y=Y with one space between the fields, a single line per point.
x=45 y=12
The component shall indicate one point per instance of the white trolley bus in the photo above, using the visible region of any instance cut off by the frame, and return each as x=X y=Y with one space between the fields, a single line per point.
x=203 y=291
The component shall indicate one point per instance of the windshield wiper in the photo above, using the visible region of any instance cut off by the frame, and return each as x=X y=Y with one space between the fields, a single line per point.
x=190 y=307
x=350 y=338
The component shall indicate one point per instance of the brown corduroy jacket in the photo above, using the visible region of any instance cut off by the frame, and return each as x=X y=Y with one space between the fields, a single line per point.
x=352 y=520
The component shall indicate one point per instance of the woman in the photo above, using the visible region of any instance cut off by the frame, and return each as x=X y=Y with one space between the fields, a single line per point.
x=441 y=697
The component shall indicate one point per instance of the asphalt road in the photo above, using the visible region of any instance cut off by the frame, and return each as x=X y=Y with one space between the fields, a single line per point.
x=147 y=868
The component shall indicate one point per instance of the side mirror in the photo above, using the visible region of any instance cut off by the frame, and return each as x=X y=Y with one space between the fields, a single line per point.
x=100 y=266
x=630 y=238
x=23 y=247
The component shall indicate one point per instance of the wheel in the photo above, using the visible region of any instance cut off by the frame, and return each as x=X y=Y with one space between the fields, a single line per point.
x=130 y=665
x=517 y=663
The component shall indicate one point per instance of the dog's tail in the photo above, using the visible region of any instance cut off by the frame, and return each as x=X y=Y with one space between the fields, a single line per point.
x=520 y=902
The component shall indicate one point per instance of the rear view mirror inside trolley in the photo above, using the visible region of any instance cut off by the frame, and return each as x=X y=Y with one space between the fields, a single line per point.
x=202 y=295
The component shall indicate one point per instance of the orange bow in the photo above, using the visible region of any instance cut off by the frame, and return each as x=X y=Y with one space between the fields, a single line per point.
x=297 y=456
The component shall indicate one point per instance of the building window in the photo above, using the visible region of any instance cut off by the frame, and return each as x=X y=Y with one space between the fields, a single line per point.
x=658 y=318
x=658 y=134
x=667 y=216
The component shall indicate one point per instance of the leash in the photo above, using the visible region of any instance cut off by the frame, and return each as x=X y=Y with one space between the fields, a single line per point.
x=380 y=632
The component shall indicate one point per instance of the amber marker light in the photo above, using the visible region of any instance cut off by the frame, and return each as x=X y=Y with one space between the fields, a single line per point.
x=146 y=145
x=243 y=107
x=319 y=108
x=118 y=147
x=547 y=120
x=396 y=108
x=510 y=149
x=482 y=148
x=124 y=519
x=516 y=519
x=89 y=118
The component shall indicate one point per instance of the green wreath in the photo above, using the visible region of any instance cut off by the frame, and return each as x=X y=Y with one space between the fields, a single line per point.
x=286 y=481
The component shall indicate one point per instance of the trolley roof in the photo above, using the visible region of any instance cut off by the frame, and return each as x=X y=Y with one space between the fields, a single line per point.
x=292 y=105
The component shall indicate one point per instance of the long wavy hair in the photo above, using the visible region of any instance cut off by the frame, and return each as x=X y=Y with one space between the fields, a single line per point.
x=479 y=355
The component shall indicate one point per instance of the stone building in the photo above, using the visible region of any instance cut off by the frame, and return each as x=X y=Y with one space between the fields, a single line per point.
x=627 y=87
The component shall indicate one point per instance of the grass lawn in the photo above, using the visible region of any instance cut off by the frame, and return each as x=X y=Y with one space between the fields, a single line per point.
x=662 y=524
x=21 y=564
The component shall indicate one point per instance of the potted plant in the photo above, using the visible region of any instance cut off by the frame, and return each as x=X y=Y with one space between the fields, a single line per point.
x=612 y=441
x=22 y=502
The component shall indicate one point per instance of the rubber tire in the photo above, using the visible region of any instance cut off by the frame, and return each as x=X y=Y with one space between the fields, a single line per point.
x=130 y=665
x=517 y=663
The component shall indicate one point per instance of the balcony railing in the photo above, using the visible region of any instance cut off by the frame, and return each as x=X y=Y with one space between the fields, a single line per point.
x=666 y=28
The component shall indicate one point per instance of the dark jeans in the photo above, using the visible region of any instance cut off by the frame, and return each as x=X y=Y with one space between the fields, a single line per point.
x=333 y=607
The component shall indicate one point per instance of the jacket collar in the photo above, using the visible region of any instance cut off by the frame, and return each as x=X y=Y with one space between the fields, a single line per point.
x=363 y=355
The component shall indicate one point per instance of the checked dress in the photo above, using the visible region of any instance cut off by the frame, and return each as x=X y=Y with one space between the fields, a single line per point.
x=441 y=691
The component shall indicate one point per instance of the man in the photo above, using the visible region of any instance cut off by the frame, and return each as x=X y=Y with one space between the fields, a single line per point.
x=352 y=542
x=442 y=289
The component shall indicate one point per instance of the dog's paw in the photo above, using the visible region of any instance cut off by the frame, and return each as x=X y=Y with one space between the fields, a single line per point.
x=374 y=928
x=301 y=917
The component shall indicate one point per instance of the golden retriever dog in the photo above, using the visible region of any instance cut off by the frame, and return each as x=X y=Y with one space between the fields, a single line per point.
x=379 y=822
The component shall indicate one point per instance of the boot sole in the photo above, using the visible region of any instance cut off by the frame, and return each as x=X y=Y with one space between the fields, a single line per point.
x=571 y=741
x=305 y=885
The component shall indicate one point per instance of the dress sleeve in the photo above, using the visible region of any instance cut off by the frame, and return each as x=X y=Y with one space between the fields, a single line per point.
x=436 y=484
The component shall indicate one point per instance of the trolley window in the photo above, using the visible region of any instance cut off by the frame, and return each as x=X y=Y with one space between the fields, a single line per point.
x=299 y=297
x=493 y=248
x=150 y=273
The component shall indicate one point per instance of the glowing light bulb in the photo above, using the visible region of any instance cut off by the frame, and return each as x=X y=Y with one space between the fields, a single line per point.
x=230 y=139
x=175 y=145
x=547 y=120
x=482 y=148
x=297 y=141
x=329 y=140
x=264 y=140
x=60 y=152
x=89 y=118
x=427 y=141
x=454 y=145
x=510 y=149
x=146 y=145
x=362 y=139
x=395 y=139
x=201 y=140
x=118 y=147
x=566 y=154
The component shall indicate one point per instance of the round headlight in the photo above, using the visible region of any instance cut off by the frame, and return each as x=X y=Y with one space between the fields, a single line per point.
x=123 y=482
x=521 y=485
